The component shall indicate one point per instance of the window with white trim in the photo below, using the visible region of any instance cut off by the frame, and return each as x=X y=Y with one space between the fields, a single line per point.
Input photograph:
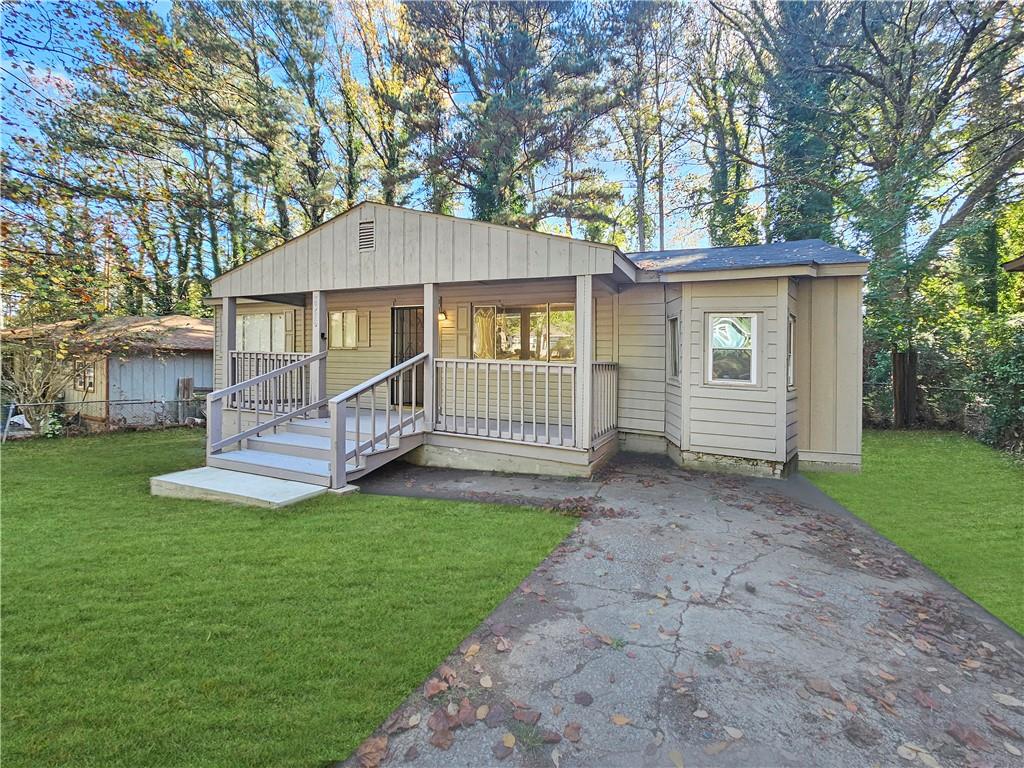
x=732 y=348
x=790 y=352
x=261 y=332
x=343 y=329
x=544 y=332
x=673 y=347
x=85 y=377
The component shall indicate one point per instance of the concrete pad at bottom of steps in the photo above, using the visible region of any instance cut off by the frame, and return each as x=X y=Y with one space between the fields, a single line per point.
x=213 y=484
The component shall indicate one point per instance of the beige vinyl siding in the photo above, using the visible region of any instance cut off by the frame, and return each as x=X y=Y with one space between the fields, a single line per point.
x=673 y=387
x=410 y=248
x=733 y=420
x=641 y=326
x=605 y=301
x=829 y=350
x=296 y=336
x=97 y=395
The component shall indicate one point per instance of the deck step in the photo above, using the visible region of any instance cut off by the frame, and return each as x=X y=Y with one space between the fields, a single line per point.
x=302 y=444
x=270 y=464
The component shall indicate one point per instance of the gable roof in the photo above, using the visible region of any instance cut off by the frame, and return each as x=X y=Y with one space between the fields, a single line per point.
x=1014 y=265
x=180 y=333
x=792 y=254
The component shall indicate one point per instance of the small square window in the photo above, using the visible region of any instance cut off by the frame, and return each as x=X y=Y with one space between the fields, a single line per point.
x=343 y=329
x=732 y=349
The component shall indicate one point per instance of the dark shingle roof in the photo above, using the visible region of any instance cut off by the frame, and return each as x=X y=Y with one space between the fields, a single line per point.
x=792 y=254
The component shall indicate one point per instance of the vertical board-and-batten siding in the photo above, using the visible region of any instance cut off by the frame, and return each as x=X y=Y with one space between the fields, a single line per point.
x=410 y=248
x=733 y=420
x=641 y=343
x=155 y=377
x=828 y=364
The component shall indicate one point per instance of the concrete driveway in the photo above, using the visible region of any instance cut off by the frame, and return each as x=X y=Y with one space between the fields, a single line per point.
x=697 y=619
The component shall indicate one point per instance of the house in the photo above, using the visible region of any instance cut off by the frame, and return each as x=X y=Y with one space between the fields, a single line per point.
x=1014 y=265
x=131 y=371
x=389 y=332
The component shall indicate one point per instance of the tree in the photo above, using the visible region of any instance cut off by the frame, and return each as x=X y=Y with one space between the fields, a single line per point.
x=521 y=81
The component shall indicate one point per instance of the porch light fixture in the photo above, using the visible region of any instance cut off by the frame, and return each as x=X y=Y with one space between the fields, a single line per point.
x=442 y=315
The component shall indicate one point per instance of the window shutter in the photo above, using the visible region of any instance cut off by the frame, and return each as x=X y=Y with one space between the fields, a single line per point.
x=363 y=328
x=462 y=328
x=289 y=331
x=366 y=236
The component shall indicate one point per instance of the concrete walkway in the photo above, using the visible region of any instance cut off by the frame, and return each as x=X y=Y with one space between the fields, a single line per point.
x=696 y=619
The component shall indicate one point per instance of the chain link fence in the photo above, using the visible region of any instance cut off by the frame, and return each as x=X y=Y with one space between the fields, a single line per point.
x=62 y=419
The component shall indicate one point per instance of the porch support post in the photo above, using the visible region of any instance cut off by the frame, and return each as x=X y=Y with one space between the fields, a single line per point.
x=431 y=307
x=227 y=316
x=584 y=360
x=318 y=343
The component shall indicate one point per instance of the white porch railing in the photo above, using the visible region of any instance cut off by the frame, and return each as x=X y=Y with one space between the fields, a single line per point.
x=269 y=398
x=373 y=416
x=605 y=399
x=518 y=400
x=245 y=366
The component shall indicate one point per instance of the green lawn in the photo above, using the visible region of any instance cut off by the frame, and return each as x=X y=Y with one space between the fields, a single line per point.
x=954 y=504
x=143 y=631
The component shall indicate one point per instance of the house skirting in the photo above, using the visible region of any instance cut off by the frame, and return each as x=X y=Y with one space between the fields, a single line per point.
x=493 y=455
x=829 y=462
x=709 y=462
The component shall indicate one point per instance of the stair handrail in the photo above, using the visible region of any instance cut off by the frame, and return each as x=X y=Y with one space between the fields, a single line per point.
x=215 y=441
x=337 y=410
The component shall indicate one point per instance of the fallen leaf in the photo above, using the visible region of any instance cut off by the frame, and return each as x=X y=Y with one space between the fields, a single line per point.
x=928 y=760
x=447 y=674
x=1008 y=701
x=482 y=711
x=509 y=740
x=550 y=737
x=716 y=747
x=442 y=739
x=701 y=714
x=1000 y=726
x=372 y=751
x=411 y=754
x=944 y=689
x=503 y=644
x=734 y=733
x=968 y=737
x=823 y=688
x=906 y=752
x=634 y=626
x=556 y=758
x=970 y=664
x=572 y=731
x=472 y=651
x=500 y=751
x=485 y=681
x=434 y=687
x=886 y=676
x=467 y=714
x=556 y=710
x=621 y=720
x=677 y=758
x=414 y=720
x=923 y=699
x=496 y=716
x=583 y=698
x=528 y=716
x=1011 y=749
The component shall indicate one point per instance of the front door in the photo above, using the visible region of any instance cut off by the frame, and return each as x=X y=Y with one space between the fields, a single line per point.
x=406 y=342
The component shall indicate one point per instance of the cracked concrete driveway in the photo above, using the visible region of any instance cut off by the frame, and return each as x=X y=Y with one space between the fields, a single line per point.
x=696 y=619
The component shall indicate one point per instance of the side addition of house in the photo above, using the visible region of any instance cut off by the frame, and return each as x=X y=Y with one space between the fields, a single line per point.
x=388 y=332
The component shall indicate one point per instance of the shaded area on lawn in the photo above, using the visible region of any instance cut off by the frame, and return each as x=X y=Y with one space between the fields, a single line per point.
x=954 y=504
x=152 y=631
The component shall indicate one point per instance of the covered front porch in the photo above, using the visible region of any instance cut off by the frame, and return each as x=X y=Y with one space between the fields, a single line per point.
x=388 y=371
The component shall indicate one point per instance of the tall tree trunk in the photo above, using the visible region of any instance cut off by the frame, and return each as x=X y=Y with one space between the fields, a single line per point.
x=904 y=388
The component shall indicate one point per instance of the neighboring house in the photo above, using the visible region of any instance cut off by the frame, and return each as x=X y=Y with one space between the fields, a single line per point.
x=142 y=369
x=459 y=343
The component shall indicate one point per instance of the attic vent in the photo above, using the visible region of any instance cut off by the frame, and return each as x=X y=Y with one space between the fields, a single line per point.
x=366 y=236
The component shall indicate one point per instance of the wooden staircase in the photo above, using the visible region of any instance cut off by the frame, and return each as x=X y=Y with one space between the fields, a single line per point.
x=301 y=449
x=284 y=434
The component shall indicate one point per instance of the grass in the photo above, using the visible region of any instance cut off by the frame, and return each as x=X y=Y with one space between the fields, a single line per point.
x=952 y=503
x=159 y=632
